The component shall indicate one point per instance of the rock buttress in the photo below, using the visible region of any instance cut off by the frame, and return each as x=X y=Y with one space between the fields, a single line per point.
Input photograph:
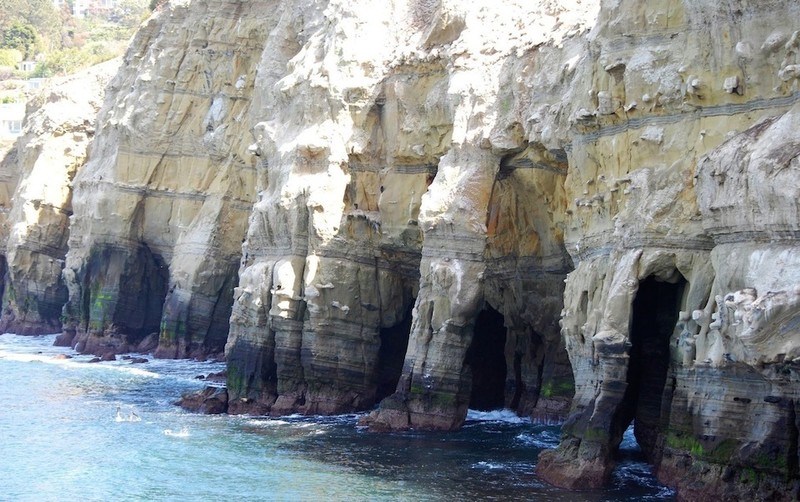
x=160 y=210
x=332 y=252
x=59 y=126
x=673 y=244
x=379 y=166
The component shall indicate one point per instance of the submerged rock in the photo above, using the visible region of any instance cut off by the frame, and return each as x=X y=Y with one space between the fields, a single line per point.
x=210 y=401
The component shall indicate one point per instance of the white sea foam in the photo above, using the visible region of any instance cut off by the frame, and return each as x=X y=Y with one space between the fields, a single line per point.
x=183 y=433
x=73 y=362
x=18 y=348
x=300 y=423
x=543 y=439
x=483 y=465
x=129 y=370
x=507 y=416
x=266 y=422
x=317 y=420
x=30 y=358
x=131 y=416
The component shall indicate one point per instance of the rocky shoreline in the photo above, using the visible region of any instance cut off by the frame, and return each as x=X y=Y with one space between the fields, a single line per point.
x=584 y=213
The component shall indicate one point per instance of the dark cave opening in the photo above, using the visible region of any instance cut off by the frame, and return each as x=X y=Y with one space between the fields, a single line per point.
x=392 y=355
x=519 y=385
x=654 y=314
x=124 y=291
x=486 y=359
x=142 y=290
x=3 y=278
x=219 y=323
x=793 y=458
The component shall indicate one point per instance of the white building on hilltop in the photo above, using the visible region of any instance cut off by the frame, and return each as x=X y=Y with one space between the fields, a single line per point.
x=81 y=7
x=11 y=117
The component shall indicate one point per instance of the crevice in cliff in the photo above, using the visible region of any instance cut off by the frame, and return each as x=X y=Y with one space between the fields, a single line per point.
x=654 y=314
x=219 y=326
x=528 y=366
x=793 y=462
x=392 y=354
x=148 y=290
x=486 y=359
x=583 y=314
x=519 y=385
x=4 y=275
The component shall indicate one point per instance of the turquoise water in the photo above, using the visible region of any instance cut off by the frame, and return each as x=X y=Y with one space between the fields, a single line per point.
x=74 y=430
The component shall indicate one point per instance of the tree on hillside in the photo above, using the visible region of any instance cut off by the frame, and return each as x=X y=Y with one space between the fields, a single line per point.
x=129 y=12
x=46 y=18
x=21 y=37
x=41 y=15
x=9 y=12
x=62 y=42
x=10 y=57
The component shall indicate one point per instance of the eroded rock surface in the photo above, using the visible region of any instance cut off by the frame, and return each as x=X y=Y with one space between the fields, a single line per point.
x=401 y=202
x=684 y=234
x=161 y=207
x=59 y=126
x=422 y=176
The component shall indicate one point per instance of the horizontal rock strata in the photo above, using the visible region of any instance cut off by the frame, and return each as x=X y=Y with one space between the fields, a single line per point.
x=161 y=207
x=583 y=210
x=681 y=221
x=59 y=126
x=408 y=238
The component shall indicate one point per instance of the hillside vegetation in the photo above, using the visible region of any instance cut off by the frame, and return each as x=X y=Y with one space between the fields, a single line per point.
x=60 y=42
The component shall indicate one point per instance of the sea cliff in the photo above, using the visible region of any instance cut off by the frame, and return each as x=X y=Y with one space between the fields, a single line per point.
x=583 y=211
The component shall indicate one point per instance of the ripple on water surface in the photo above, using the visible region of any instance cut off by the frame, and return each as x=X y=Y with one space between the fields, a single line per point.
x=69 y=435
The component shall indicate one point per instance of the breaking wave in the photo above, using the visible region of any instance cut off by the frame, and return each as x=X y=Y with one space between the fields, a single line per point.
x=543 y=439
x=505 y=415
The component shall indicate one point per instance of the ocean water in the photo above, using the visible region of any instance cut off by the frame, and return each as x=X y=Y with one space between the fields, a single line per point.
x=74 y=430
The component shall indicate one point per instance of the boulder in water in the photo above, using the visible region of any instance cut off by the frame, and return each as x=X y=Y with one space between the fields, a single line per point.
x=65 y=339
x=210 y=401
x=148 y=344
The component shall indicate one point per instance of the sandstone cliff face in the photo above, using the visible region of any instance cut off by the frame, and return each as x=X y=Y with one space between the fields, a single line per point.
x=400 y=204
x=161 y=207
x=683 y=228
x=422 y=176
x=40 y=168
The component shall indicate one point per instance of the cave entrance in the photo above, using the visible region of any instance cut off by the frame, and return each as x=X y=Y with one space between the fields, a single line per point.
x=3 y=278
x=486 y=358
x=142 y=288
x=392 y=354
x=654 y=315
